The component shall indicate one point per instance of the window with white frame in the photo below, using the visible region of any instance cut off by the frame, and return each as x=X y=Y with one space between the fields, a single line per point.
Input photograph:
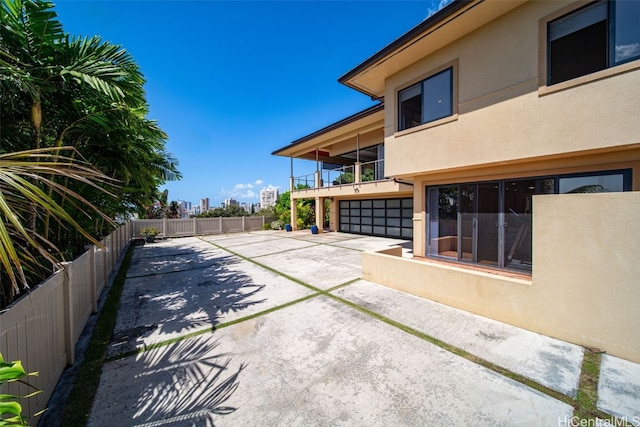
x=426 y=101
x=600 y=35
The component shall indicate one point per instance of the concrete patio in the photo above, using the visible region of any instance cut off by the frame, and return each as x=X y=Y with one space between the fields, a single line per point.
x=275 y=328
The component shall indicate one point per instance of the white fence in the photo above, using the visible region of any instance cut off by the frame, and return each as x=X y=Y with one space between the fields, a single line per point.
x=42 y=328
x=202 y=226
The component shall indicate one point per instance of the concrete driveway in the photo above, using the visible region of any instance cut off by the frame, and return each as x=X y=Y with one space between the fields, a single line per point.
x=275 y=328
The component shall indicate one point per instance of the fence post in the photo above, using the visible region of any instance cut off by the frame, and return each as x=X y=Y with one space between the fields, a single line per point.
x=92 y=279
x=243 y=227
x=164 y=227
x=110 y=252
x=220 y=219
x=69 y=345
x=195 y=226
x=105 y=264
x=263 y=222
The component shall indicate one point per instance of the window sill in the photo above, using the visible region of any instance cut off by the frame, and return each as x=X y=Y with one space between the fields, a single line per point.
x=429 y=125
x=598 y=75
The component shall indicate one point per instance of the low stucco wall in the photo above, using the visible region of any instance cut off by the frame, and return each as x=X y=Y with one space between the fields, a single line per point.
x=585 y=286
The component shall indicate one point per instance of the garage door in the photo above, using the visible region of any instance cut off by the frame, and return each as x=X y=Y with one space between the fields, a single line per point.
x=378 y=217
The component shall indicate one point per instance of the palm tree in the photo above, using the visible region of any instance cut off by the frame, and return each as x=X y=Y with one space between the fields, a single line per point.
x=25 y=178
x=84 y=99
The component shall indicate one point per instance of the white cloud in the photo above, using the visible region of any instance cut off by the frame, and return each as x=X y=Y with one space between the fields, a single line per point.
x=242 y=186
x=246 y=192
x=626 y=51
x=441 y=4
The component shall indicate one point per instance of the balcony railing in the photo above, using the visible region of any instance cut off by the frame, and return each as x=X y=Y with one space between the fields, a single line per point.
x=340 y=176
x=372 y=171
x=369 y=172
x=304 y=181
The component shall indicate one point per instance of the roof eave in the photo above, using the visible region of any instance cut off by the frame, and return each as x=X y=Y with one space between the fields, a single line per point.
x=403 y=40
x=353 y=118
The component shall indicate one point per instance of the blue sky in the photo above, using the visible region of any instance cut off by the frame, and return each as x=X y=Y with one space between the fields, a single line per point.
x=232 y=81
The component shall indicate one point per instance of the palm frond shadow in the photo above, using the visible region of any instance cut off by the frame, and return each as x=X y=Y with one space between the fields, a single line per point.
x=184 y=382
x=175 y=291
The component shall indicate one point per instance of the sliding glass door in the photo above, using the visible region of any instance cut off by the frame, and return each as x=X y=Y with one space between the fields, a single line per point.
x=486 y=223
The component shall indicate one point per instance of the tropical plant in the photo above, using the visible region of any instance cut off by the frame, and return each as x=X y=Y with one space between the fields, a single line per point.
x=10 y=409
x=60 y=91
x=305 y=213
x=149 y=231
x=26 y=180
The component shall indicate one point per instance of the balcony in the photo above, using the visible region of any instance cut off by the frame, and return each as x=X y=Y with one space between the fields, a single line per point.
x=357 y=179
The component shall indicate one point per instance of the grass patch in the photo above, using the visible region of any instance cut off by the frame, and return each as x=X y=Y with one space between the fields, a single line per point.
x=78 y=406
x=587 y=398
x=586 y=404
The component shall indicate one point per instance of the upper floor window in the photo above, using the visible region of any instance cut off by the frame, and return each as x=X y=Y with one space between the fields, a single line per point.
x=426 y=101
x=598 y=36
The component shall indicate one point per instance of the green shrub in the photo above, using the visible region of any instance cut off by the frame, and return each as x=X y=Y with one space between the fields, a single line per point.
x=10 y=409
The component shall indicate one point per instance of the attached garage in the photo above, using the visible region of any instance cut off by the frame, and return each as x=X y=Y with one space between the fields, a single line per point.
x=377 y=217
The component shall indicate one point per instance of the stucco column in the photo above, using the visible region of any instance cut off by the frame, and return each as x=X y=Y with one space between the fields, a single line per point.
x=291 y=183
x=320 y=214
x=318 y=179
x=357 y=172
x=294 y=214
x=419 y=220
x=333 y=215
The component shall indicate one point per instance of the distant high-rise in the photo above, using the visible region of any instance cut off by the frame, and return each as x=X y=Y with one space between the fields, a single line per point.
x=268 y=197
x=185 y=209
x=230 y=202
x=204 y=205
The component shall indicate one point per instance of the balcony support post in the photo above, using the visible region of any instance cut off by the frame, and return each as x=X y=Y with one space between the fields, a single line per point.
x=320 y=214
x=294 y=213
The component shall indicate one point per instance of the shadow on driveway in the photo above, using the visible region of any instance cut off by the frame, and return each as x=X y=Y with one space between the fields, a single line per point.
x=180 y=291
x=185 y=383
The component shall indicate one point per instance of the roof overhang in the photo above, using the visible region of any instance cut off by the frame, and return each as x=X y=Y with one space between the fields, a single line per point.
x=454 y=21
x=340 y=137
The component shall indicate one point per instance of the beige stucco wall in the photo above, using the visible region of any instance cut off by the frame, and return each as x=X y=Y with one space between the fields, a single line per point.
x=502 y=115
x=585 y=286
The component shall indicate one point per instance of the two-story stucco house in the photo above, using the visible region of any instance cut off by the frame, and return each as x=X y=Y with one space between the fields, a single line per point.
x=510 y=133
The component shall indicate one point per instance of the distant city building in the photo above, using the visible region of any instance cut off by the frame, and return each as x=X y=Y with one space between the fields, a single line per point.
x=204 y=205
x=185 y=209
x=268 y=197
x=230 y=202
x=195 y=210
